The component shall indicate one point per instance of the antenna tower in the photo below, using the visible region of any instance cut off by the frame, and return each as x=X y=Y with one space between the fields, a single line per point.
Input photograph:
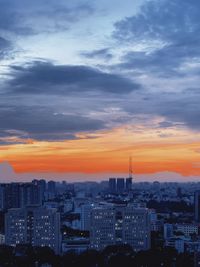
x=130 y=168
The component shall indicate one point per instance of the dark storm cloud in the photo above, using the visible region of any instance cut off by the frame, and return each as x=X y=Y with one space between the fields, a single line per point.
x=27 y=17
x=42 y=123
x=47 y=78
x=174 y=24
x=100 y=53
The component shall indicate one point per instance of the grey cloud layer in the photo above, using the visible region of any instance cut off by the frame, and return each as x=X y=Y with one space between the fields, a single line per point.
x=89 y=92
x=42 y=123
x=44 y=77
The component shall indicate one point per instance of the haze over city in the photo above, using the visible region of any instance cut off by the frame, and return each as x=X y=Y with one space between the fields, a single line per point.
x=84 y=85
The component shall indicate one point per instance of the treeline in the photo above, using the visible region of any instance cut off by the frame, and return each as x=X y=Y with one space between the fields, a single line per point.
x=169 y=206
x=113 y=256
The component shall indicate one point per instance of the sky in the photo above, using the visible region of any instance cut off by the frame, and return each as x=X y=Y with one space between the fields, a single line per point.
x=85 y=84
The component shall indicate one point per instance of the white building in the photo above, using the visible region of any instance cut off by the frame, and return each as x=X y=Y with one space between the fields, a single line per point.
x=86 y=216
x=37 y=226
x=187 y=229
x=112 y=225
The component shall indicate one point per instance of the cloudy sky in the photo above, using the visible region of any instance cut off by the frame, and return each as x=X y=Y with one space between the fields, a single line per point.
x=84 y=84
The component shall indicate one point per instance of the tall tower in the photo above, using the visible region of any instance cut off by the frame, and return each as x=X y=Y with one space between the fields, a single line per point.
x=130 y=178
x=130 y=168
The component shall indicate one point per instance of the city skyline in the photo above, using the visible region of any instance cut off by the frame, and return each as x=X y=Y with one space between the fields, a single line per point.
x=84 y=85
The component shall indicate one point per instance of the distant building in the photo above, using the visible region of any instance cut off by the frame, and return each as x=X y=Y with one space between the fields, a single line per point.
x=33 y=225
x=112 y=185
x=120 y=185
x=168 y=231
x=42 y=188
x=86 y=216
x=187 y=229
x=11 y=195
x=30 y=195
x=197 y=206
x=51 y=189
x=128 y=184
x=177 y=243
x=112 y=225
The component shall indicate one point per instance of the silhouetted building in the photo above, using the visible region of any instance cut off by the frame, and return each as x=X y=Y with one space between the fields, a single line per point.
x=10 y=196
x=30 y=195
x=128 y=184
x=120 y=185
x=197 y=206
x=51 y=189
x=112 y=185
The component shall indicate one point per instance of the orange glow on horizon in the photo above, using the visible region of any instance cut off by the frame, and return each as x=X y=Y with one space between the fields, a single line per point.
x=108 y=151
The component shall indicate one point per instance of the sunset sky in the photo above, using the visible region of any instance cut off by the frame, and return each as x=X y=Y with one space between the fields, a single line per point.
x=85 y=84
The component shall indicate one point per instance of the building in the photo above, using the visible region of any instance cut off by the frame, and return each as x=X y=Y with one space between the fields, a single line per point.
x=187 y=229
x=128 y=184
x=112 y=185
x=42 y=188
x=51 y=189
x=30 y=195
x=197 y=206
x=112 y=225
x=120 y=185
x=86 y=216
x=177 y=243
x=37 y=226
x=77 y=245
x=10 y=196
x=168 y=231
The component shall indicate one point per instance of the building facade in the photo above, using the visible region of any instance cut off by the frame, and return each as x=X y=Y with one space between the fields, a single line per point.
x=115 y=225
x=33 y=225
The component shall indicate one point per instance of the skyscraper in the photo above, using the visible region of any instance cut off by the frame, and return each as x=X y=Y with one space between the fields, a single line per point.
x=51 y=189
x=37 y=226
x=120 y=185
x=129 y=184
x=112 y=185
x=30 y=194
x=197 y=206
x=11 y=194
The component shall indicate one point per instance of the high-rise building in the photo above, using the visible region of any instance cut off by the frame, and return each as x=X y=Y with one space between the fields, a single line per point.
x=86 y=216
x=197 y=206
x=120 y=185
x=37 y=226
x=111 y=225
x=11 y=194
x=51 y=189
x=2 y=197
x=42 y=188
x=128 y=184
x=112 y=185
x=30 y=194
